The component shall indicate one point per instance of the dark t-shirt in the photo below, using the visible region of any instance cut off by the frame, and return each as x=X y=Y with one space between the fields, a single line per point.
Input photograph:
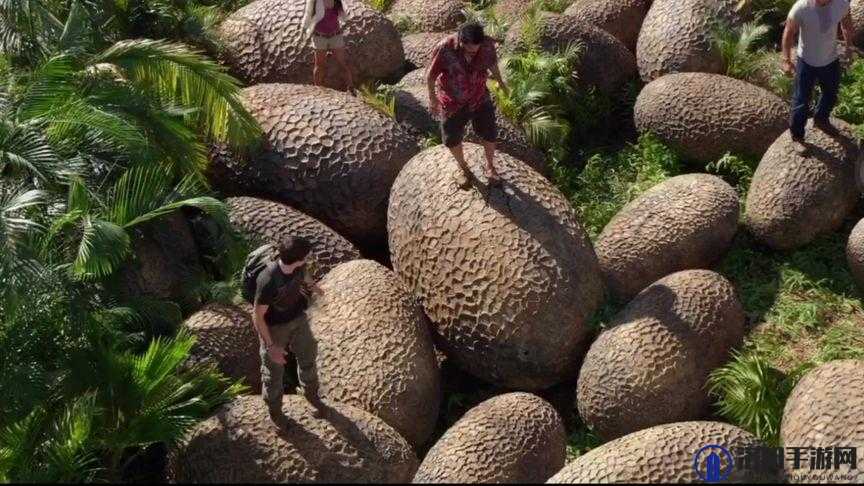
x=287 y=295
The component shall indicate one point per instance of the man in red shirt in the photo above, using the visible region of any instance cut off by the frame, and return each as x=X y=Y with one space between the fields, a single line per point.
x=461 y=64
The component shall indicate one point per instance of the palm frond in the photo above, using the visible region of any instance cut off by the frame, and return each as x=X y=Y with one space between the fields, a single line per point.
x=189 y=79
x=24 y=149
x=103 y=246
x=14 y=224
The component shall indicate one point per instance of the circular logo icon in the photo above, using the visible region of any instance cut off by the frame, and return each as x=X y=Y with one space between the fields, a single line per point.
x=708 y=463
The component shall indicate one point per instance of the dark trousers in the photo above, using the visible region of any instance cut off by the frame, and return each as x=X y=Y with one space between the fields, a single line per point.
x=298 y=337
x=806 y=77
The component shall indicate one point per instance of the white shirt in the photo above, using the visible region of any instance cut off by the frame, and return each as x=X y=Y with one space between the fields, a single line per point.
x=817 y=30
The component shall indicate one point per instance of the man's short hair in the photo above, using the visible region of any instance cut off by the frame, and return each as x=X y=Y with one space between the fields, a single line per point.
x=293 y=249
x=471 y=33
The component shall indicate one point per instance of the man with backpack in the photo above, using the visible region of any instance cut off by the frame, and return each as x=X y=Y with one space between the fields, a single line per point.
x=282 y=289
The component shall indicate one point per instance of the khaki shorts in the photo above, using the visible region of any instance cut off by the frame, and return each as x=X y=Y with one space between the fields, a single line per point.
x=328 y=43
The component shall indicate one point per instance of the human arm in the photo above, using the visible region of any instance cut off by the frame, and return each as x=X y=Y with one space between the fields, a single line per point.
x=496 y=75
x=276 y=352
x=432 y=73
x=848 y=31
x=790 y=33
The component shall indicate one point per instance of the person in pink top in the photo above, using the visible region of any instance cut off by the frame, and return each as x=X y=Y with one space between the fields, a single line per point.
x=323 y=23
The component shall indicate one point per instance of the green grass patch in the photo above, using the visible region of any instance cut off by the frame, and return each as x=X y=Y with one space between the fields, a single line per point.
x=609 y=181
x=804 y=309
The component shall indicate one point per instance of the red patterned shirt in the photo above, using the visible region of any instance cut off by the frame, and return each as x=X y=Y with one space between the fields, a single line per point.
x=457 y=81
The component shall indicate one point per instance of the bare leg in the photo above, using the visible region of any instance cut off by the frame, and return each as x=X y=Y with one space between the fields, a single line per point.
x=489 y=150
x=342 y=60
x=318 y=69
x=459 y=155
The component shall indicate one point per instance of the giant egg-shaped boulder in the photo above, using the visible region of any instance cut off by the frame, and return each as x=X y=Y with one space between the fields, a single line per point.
x=511 y=438
x=326 y=153
x=678 y=36
x=374 y=348
x=663 y=454
x=420 y=46
x=429 y=15
x=264 y=221
x=650 y=366
x=240 y=444
x=706 y=115
x=507 y=275
x=855 y=253
x=685 y=222
x=263 y=43
x=824 y=410
x=224 y=336
x=794 y=196
x=621 y=18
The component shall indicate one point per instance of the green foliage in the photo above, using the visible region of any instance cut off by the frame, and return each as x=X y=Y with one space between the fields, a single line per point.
x=555 y=6
x=380 y=97
x=493 y=25
x=809 y=312
x=752 y=394
x=430 y=141
x=609 y=181
x=381 y=5
x=406 y=25
x=738 y=47
x=541 y=91
x=736 y=170
x=850 y=103
x=580 y=442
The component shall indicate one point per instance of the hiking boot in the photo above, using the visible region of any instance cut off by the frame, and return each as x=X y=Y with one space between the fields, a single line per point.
x=279 y=419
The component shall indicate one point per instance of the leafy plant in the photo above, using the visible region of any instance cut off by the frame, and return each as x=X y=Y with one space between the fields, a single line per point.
x=580 y=442
x=738 y=46
x=610 y=181
x=379 y=97
x=493 y=25
x=752 y=394
x=850 y=102
x=382 y=6
x=735 y=170
x=541 y=95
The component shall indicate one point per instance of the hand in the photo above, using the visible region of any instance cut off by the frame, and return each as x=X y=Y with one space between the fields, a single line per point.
x=504 y=87
x=277 y=354
x=788 y=67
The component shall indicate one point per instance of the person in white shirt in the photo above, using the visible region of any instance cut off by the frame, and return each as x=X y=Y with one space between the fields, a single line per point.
x=815 y=22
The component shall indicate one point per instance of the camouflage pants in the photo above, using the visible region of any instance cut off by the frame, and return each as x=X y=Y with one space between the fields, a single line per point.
x=298 y=337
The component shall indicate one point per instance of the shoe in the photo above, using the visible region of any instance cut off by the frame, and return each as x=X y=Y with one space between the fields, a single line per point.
x=462 y=179
x=825 y=126
x=798 y=145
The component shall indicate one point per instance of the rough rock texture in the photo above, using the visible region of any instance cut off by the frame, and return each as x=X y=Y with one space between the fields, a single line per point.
x=650 y=366
x=794 y=198
x=824 y=410
x=676 y=36
x=418 y=47
x=412 y=108
x=413 y=78
x=856 y=10
x=508 y=276
x=263 y=44
x=225 y=336
x=661 y=454
x=375 y=349
x=327 y=154
x=685 y=222
x=621 y=18
x=265 y=221
x=511 y=11
x=605 y=63
x=512 y=438
x=855 y=253
x=164 y=263
x=240 y=444
x=706 y=115
x=429 y=15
